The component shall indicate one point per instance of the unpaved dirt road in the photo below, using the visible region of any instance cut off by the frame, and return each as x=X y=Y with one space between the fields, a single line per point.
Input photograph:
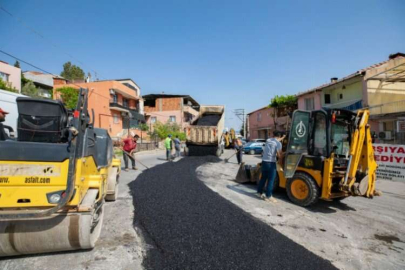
x=357 y=233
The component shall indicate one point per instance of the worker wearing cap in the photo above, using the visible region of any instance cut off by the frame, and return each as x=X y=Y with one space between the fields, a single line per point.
x=3 y=135
x=168 y=146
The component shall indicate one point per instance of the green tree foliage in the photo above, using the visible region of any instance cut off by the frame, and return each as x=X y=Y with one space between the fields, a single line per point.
x=7 y=86
x=144 y=127
x=69 y=96
x=289 y=102
x=17 y=64
x=30 y=90
x=281 y=101
x=72 y=72
x=163 y=130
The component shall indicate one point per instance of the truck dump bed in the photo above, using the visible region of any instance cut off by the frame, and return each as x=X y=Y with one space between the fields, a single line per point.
x=207 y=129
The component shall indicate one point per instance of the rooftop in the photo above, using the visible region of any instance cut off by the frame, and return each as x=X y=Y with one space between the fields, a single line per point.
x=360 y=72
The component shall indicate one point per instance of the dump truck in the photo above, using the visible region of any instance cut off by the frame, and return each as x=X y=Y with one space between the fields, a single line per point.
x=54 y=179
x=328 y=156
x=204 y=135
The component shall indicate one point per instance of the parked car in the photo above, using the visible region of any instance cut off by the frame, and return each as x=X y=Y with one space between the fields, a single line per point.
x=254 y=146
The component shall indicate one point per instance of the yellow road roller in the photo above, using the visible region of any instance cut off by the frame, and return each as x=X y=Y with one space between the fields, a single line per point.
x=54 y=179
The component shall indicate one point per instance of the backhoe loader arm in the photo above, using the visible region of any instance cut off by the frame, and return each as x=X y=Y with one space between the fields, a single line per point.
x=361 y=157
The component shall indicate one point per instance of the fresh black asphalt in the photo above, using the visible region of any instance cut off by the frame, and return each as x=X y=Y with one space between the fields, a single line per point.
x=188 y=226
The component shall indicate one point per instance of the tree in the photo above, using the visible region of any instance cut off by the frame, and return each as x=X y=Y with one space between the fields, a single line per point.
x=144 y=127
x=7 y=86
x=69 y=96
x=242 y=130
x=72 y=72
x=30 y=90
x=17 y=64
x=162 y=130
x=289 y=102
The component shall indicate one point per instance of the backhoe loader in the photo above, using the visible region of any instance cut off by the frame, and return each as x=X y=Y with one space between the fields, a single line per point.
x=54 y=179
x=328 y=155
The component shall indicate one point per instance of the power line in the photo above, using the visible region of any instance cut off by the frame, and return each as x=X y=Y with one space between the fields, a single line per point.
x=19 y=20
x=43 y=70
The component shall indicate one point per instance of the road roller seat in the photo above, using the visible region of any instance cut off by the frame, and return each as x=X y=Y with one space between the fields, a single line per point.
x=41 y=120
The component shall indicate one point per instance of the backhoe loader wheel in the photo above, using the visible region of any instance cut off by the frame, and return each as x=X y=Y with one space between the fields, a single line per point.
x=302 y=189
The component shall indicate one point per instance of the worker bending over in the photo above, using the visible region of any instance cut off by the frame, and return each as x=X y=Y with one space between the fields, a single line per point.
x=129 y=147
x=272 y=150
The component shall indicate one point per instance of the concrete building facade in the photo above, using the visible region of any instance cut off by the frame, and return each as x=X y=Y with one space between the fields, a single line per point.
x=180 y=109
x=380 y=87
x=115 y=105
x=11 y=75
x=44 y=82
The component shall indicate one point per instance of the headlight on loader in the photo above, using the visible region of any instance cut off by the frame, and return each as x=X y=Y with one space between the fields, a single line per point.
x=54 y=198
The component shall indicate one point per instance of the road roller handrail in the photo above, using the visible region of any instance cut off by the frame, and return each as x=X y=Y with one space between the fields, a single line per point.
x=76 y=136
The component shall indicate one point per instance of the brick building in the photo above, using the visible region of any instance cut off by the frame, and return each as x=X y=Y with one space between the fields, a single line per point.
x=116 y=106
x=180 y=109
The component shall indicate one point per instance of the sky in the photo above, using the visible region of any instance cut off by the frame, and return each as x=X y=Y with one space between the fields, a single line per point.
x=234 y=53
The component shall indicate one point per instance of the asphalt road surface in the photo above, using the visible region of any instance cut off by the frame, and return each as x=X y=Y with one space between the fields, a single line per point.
x=188 y=226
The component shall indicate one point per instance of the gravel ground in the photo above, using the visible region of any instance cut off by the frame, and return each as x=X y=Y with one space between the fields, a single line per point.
x=188 y=226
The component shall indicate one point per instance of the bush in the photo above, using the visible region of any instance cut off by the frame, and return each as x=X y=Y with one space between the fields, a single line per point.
x=7 y=86
x=30 y=90
x=163 y=130
x=69 y=96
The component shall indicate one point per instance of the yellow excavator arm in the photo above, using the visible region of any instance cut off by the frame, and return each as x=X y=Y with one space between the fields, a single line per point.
x=361 y=160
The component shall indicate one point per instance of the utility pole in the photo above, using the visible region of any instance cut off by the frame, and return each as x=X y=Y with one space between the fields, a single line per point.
x=240 y=113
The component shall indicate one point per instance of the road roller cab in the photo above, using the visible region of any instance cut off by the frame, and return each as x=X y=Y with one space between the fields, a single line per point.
x=329 y=155
x=54 y=179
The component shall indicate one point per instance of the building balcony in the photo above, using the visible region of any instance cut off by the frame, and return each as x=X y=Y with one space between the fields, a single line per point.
x=119 y=107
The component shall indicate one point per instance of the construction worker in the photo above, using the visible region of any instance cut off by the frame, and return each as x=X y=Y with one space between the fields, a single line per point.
x=129 y=147
x=168 y=146
x=239 y=148
x=177 y=143
x=272 y=150
x=3 y=135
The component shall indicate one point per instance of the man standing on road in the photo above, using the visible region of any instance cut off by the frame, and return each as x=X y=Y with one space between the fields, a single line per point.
x=3 y=135
x=168 y=146
x=177 y=145
x=272 y=150
x=129 y=146
x=239 y=149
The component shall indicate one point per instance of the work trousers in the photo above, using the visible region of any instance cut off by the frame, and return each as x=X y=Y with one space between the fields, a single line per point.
x=126 y=161
x=239 y=156
x=269 y=170
x=177 y=151
x=168 y=154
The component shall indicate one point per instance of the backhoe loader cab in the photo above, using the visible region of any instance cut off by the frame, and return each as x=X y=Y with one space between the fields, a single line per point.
x=329 y=155
x=54 y=179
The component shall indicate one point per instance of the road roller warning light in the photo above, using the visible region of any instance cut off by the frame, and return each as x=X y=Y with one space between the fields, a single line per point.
x=57 y=176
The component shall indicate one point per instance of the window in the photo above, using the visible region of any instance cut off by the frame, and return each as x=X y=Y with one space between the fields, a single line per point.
x=125 y=102
x=320 y=135
x=339 y=96
x=116 y=118
x=153 y=119
x=114 y=98
x=4 y=76
x=309 y=104
x=327 y=98
x=259 y=117
x=340 y=139
x=172 y=118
